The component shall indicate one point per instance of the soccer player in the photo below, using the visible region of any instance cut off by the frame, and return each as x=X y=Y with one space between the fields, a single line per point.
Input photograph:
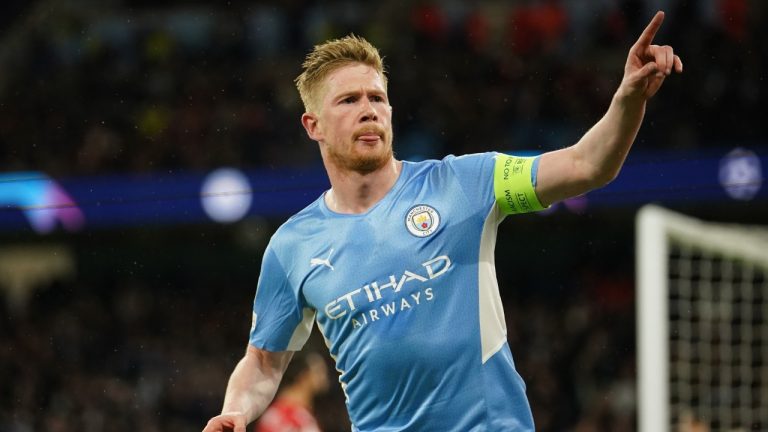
x=395 y=262
x=304 y=379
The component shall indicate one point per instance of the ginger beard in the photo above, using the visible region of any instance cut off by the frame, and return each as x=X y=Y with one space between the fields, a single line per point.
x=363 y=154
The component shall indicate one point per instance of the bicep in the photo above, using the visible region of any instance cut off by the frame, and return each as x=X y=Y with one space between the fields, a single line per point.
x=563 y=174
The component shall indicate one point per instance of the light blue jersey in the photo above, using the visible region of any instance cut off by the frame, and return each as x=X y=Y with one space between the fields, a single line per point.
x=406 y=298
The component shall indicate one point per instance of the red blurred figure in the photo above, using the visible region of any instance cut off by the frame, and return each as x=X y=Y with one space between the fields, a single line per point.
x=292 y=411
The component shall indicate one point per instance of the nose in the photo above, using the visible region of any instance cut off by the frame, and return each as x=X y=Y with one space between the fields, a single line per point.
x=368 y=112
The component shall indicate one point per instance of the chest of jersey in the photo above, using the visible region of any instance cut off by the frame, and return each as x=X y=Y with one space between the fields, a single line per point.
x=385 y=271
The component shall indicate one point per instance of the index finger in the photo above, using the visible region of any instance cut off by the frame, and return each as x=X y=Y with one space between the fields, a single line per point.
x=650 y=31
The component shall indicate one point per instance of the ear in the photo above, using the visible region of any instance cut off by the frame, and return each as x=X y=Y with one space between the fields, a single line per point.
x=310 y=123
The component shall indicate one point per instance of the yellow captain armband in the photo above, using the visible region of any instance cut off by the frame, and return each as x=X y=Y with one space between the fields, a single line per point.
x=513 y=184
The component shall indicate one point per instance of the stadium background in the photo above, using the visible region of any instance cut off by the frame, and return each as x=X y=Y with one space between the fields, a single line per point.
x=136 y=325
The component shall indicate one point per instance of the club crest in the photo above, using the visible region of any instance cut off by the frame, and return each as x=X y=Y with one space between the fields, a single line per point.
x=422 y=220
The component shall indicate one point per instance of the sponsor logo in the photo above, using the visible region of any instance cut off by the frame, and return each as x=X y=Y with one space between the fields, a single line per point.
x=388 y=310
x=371 y=302
x=422 y=220
x=322 y=261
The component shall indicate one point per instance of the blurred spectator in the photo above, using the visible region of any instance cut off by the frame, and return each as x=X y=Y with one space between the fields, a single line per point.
x=292 y=409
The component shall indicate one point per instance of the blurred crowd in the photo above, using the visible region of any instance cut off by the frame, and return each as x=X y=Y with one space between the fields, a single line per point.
x=95 y=87
x=116 y=355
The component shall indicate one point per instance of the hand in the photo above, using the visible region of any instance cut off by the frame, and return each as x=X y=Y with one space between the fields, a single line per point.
x=230 y=421
x=648 y=65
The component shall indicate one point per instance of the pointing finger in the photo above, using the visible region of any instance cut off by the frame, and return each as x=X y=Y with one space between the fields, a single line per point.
x=648 y=34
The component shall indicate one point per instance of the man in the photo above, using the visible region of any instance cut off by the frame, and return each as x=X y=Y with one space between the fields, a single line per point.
x=395 y=262
x=305 y=378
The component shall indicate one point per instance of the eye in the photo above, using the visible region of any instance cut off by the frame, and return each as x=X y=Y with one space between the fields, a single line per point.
x=377 y=98
x=349 y=100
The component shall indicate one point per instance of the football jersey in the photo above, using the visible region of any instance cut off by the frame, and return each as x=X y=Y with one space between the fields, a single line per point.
x=406 y=297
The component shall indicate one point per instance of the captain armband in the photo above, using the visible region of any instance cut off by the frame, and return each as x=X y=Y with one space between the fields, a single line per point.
x=514 y=184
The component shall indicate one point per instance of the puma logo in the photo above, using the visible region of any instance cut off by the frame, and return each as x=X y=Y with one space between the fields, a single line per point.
x=322 y=261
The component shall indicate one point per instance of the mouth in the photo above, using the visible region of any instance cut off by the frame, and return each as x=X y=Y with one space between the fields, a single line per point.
x=369 y=135
x=369 y=138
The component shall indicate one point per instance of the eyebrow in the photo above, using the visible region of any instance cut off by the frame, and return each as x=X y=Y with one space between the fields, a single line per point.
x=349 y=93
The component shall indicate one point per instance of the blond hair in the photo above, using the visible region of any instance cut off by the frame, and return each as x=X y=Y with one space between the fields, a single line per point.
x=329 y=56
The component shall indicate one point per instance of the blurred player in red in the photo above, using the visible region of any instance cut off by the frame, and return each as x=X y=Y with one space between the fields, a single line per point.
x=306 y=377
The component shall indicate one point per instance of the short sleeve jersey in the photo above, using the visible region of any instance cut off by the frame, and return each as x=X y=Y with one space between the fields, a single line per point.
x=406 y=298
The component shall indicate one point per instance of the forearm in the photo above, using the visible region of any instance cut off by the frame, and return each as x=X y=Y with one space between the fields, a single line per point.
x=253 y=383
x=605 y=146
x=596 y=158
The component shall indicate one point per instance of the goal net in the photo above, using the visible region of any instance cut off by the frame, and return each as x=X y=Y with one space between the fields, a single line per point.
x=702 y=325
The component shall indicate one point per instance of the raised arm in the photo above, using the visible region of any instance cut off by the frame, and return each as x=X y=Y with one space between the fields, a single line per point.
x=250 y=390
x=597 y=157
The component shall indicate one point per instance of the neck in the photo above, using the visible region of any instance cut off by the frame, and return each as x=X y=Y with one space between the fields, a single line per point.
x=354 y=193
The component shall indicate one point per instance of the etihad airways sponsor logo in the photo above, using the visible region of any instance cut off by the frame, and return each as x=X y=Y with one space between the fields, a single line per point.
x=389 y=309
x=374 y=292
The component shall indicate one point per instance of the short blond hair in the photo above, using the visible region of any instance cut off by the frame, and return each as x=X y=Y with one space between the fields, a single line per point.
x=331 y=55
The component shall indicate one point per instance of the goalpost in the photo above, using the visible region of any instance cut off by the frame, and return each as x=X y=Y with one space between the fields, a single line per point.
x=702 y=323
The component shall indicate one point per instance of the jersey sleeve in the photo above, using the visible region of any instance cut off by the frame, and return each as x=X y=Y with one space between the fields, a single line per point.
x=492 y=178
x=280 y=322
x=474 y=173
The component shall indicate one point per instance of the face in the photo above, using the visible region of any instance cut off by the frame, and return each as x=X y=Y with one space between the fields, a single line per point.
x=354 y=125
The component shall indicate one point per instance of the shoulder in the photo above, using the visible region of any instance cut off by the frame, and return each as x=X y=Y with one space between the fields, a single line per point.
x=299 y=224
x=470 y=159
x=291 y=234
x=449 y=161
x=455 y=165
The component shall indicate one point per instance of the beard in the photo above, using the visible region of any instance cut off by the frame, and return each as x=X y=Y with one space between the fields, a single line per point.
x=363 y=161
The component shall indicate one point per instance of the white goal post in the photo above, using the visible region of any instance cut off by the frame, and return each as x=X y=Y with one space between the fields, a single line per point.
x=702 y=323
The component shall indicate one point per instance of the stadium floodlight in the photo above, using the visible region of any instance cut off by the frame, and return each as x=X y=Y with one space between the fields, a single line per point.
x=702 y=291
